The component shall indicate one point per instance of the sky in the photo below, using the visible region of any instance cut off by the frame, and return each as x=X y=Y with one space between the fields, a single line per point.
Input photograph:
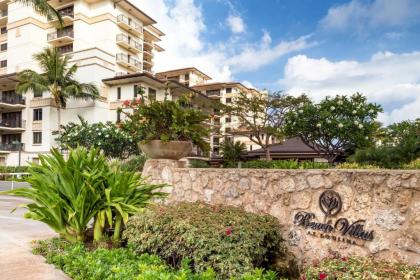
x=314 y=47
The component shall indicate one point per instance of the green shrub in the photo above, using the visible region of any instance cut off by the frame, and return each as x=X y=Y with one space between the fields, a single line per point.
x=110 y=264
x=415 y=164
x=284 y=164
x=226 y=239
x=134 y=164
x=355 y=165
x=67 y=194
x=360 y=268
x=232 y=152
x=196 y=163
x=14 y=169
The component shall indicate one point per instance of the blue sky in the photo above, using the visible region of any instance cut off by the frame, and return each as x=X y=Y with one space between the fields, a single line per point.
x=312 y=46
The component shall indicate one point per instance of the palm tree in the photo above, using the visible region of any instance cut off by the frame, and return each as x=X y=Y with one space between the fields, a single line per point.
x=42 y=7
x=57 y=78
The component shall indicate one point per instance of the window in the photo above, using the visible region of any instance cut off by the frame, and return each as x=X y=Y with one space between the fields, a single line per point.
x=228 y=100
x=136 y=91
x=3 y=64
x=152 y=94
x=3 y=47
x=65 y=49
x=38 y=94
x=3 y=30
x=118 y=116
x=119 y=93
x=187 y=77
x=228 y=120
x=250 y=147
x=38 y=114
x=37 y=137
x=228 y=90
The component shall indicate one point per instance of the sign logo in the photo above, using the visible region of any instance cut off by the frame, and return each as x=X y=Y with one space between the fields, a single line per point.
x=340 y=230
x=330 y=203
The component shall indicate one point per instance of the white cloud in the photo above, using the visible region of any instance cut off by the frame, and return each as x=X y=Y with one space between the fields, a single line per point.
x=361 y=16
x=183 y=23
x=392 y=80
x=236 y=24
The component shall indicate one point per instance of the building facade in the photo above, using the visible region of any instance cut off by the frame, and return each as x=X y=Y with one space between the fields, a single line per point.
x=104 y=38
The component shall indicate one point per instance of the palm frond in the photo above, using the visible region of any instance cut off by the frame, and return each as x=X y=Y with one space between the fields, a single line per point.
x=43 y=8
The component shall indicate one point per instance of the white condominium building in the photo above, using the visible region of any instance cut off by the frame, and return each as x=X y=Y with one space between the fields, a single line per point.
x=105 y=39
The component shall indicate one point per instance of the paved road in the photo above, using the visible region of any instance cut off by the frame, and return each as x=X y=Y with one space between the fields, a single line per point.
x=7 y=185
x=16 y=233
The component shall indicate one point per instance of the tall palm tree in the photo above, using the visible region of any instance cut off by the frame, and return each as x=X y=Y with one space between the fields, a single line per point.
x=57 y=78
x=42 y=7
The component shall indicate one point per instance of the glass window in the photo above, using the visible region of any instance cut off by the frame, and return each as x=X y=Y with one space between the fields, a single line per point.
x=228 y=90
x=152 y=94
x=3 y=47
x=228 y=100
x=3 y=30
x=37 y=137
x=3 y=63
x=228 y=120
x=118 y=93
x=37 y=114
x=136 y=90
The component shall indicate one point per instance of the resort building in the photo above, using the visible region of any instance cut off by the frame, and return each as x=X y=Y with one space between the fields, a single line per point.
x=104 y=38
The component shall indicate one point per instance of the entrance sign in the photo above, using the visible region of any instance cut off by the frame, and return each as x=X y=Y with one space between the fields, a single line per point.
x=340 y=230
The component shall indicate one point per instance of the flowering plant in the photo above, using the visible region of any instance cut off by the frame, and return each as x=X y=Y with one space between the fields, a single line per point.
x=165 y=120
x=336 y=126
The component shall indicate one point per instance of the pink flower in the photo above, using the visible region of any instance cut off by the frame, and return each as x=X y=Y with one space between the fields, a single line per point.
x=126 y=103
x=138 y=101
x=322 y=276
x=228 y=231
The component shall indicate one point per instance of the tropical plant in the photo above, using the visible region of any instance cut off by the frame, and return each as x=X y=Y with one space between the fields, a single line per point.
x=167 y=121
x=67 y=194
x=57 y=78
x=82 y=263
x=261 y=116
x=108 y=137
x=399 y=144
x=232 y=152
x=336 y=126
x=43 y=8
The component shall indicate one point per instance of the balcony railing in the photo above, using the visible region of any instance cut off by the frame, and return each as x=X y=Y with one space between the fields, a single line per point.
x=213 y=93
x=60 y=33
x=11 y=147
x=67 y=12
x=12 y=100
x=12 y=123
x=128 y=61
x=129 y=42
x=128 y=24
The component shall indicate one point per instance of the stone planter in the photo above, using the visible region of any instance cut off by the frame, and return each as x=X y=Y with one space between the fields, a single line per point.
x=157 y=149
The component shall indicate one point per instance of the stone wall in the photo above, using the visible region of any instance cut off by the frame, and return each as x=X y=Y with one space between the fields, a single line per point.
x=388 y=201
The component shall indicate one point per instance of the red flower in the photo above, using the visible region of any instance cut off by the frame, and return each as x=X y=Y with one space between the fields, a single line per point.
x=228 y=231
x=322 y=276
x=344 y=259
x=126 y=103
x=138 y=101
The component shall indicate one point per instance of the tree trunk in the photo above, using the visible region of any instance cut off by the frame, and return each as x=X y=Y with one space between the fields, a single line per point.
x=59 y=119
x=267 y=154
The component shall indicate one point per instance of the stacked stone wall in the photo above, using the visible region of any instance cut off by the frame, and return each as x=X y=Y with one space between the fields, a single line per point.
x=384 y=203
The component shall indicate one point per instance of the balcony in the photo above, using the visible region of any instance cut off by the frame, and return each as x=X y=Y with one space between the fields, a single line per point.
x=67 y=14
x=213 y=93
x=129 y=25
x=6 y=147
x=148 y=62
x=128 y=61
x=128 y=43
x=148 y=45
x=12 y=125
x=11 y=102
x=61 y=37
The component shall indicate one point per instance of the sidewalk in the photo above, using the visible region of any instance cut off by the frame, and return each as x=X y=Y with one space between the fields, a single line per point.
x=16 y=233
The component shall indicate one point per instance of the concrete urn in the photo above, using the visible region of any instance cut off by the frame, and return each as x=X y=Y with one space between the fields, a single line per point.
x=157 y=149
